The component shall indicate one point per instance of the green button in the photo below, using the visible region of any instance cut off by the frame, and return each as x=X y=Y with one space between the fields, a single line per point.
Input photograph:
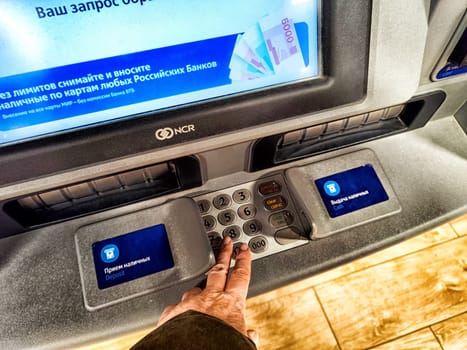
x=284 y=218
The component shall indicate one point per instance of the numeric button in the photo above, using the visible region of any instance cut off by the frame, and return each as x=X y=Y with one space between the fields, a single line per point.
x=209 y=222
x=226 y=217
x=204 y=206
x=216 y=241
x=222 y=201
x=252 y=227
x=233 y=232
x=241 y=196
x=247 y=211
x=258 y=244
x=236 y=250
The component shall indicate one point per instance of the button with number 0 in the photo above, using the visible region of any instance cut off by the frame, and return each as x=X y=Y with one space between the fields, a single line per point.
x=236 y=250
x=216 y=241
x=258 y=244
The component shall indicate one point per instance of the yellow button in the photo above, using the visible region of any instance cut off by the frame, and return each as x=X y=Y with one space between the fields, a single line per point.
x=275 y=203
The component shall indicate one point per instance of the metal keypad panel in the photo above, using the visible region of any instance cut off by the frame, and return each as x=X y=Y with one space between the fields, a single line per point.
x=259 y=213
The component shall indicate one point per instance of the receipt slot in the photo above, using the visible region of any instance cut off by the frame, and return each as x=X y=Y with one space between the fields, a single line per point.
x=142 y=252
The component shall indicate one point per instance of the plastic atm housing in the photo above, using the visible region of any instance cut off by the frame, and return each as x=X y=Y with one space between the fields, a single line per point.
x=378 y=61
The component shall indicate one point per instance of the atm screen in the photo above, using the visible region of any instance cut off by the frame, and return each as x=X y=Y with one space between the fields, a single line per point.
x=72 y=64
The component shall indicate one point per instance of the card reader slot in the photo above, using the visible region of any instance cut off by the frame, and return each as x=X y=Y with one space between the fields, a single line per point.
x=104 y=193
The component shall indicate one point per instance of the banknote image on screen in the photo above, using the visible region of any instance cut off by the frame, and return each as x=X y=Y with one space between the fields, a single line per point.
x=70 y=64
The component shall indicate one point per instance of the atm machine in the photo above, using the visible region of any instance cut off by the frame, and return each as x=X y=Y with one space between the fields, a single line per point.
x=135 y=134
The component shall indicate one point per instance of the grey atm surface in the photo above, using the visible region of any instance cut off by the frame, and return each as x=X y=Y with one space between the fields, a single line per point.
x=191 y=253
x=422 y=169
x=302 y=181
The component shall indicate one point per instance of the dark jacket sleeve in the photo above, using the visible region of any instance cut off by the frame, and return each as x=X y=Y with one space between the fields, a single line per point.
x=194 y=330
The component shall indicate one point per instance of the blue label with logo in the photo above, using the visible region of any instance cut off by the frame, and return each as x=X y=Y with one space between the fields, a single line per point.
x=131 y=256
x=351 y=190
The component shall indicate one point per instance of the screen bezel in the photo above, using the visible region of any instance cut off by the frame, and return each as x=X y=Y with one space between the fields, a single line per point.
x=345 y=37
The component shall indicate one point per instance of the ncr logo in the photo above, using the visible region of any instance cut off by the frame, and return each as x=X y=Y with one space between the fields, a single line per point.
x=169 y=133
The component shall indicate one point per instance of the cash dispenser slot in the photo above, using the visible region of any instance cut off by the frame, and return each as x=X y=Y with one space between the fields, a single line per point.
x=354 y=129
x=103 y=193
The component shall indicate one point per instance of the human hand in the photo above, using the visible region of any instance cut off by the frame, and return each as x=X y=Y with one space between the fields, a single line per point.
x=224 y=296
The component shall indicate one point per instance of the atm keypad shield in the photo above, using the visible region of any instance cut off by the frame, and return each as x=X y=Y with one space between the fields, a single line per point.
x=256 y=213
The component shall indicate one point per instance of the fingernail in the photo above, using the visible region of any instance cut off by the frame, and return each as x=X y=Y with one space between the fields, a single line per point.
x=227 y=240
x=244 y=247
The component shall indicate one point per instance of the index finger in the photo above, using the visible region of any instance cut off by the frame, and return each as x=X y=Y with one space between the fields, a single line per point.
x=241 y=273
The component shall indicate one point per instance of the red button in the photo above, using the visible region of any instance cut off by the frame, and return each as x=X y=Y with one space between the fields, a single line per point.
x=270 y=187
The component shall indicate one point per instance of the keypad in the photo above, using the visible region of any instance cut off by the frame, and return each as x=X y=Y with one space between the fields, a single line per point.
x=258 y=213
